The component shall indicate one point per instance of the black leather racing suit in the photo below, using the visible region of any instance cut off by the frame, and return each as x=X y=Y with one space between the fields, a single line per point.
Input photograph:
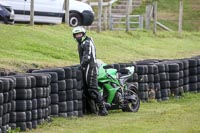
x=87 y=55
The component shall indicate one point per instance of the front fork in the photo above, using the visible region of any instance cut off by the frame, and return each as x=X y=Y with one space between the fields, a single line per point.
x=100 y=89
x=122 y=98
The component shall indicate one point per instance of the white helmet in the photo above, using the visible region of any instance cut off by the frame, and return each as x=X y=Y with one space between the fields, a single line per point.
x=77 y=30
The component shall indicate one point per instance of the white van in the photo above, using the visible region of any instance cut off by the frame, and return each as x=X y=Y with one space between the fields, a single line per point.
x=52 y=11
x=7 y=14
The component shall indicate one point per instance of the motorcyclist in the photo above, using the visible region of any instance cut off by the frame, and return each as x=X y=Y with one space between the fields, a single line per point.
x=87 y=55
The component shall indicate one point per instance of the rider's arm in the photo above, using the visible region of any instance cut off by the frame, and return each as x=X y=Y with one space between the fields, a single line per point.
x=86 y=53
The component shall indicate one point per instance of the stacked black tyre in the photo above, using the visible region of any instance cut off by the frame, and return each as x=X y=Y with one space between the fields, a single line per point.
x=80 y=89
x=3 y=73
x=143 y=87
x=185 y=75
x=134 y=78
x=174 y=78
x=164 y=80
x=181 y=76
x=74 y=91
x=1 y=103
x=62 y=107
x=69 y=92
x=198 y=72
x=193 y=78
x=116 y=66
x=77 y=92
x=198 y=75
x=7 y=95
x=57 y=94
x=54 y=98
x=66 y=91
x=40 y=98
x=157 y=84
x=151 y=80
x=22 y=114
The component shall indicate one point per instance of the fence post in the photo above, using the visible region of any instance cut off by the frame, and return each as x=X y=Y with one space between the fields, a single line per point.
x=105 y=17
x=140 y=22
x=100 y=3
x=155 y=17
x=129 y=3
x=180 y=24
x=67 y=12
x=110 y=15
x=32 y=13
x=130 y=6
x=148 y=16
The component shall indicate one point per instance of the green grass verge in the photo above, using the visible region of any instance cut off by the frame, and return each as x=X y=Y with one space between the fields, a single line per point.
x=173 y=116
x=42 y=46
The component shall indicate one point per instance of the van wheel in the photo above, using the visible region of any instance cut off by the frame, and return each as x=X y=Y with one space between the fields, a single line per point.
x=75 y=19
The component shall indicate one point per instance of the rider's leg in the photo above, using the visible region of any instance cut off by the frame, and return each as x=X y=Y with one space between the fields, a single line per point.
x=94 y=94
x=92 y=83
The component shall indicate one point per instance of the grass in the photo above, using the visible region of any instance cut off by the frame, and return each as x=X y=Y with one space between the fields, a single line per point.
x=41 y=46
x=168 y=13
x=27 y=46
x=173 y=116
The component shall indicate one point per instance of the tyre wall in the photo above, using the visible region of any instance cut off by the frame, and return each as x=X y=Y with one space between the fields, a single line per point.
x=162 y=79
x=27 y=100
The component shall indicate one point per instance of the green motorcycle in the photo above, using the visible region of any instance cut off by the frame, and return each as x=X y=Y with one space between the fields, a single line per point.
x=115 y=89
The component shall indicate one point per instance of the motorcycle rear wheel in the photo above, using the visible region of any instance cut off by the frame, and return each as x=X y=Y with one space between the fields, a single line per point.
x=132 y=105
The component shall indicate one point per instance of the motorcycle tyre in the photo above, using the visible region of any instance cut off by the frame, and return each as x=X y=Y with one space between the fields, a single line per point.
x=129 y=107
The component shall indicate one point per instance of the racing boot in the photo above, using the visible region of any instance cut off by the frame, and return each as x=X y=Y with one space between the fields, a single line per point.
x=107 y=105
x=102 y=109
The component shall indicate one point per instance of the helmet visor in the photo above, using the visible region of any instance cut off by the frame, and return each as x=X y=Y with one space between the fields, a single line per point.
x=78 y=35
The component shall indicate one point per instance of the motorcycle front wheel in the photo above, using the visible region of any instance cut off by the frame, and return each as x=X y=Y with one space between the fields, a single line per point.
x=131 y=105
